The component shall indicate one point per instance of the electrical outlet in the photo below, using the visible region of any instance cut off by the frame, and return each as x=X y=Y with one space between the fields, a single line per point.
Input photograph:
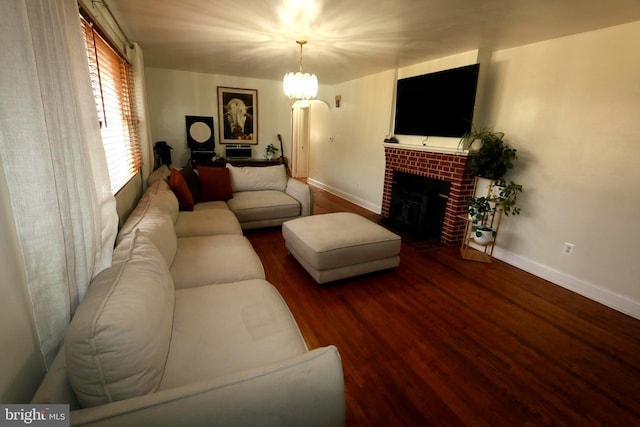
x=568 y=248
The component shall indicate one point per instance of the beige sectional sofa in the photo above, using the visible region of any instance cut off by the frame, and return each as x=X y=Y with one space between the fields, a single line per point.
x=183 y=329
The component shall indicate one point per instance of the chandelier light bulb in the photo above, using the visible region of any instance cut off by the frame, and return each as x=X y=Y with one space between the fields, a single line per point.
x=300 y=85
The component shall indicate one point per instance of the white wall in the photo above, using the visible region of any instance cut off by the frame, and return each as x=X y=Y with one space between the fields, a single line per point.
x=172 y=95
x=352 y=164
x=571 y=107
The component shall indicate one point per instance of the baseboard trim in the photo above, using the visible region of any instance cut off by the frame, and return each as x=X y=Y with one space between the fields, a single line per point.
x=579 y=286
x=347 y=196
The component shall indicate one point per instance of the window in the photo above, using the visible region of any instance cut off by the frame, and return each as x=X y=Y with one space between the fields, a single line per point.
x=112 y=81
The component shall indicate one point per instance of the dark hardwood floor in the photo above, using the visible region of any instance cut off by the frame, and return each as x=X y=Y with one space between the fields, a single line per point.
x=440 y=341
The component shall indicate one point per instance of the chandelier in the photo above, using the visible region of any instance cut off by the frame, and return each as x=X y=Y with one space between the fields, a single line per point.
x=300 y=85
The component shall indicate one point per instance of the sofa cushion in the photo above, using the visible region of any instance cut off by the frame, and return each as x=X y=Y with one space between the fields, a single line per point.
x=162 y=197
x=193 y=182
x=155 y=214
x=261 y=205
x=249 y=317
x=218 y=204
x=117 y=343
x=258 y=178
x=162 y=173
x=207 y=222
x=158 y=195
x=159 y=227
x=179 y=186
x=134 y=218
x=206 y=260
x=158 y=200
x=215 y=184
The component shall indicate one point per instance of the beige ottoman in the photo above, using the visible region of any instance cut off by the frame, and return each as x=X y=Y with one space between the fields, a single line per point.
x=339 y=245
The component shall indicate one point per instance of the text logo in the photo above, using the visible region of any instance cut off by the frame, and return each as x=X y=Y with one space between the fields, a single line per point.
x=36 y=415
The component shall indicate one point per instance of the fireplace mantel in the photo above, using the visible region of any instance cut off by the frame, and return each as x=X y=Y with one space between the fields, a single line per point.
x=443 y=164
x=428 y=148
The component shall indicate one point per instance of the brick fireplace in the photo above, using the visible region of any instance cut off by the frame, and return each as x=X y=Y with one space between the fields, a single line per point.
x=449 y=167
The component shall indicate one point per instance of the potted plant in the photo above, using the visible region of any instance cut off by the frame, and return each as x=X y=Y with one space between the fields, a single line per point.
x=482 y=209
x=270 y=151
x=493 y=158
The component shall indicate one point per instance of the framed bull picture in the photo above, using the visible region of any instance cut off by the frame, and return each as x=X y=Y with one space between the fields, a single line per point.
x=238 y=112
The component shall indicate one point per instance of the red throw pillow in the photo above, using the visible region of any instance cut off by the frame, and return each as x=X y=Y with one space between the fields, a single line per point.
x=215 y=184
x=181 y=190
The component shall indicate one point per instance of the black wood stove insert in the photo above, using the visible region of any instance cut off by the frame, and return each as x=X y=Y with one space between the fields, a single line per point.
x=418 y=205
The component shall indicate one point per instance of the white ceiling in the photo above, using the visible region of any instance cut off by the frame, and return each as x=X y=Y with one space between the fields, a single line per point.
x=347 y=38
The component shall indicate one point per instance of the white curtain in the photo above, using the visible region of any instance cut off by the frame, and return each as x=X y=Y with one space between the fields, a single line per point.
x=53 y=159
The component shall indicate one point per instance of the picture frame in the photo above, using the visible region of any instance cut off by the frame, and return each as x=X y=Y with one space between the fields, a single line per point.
x=200 y=135
x=238 y=115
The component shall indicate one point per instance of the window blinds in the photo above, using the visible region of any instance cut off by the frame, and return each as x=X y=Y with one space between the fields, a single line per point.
x=112 y=81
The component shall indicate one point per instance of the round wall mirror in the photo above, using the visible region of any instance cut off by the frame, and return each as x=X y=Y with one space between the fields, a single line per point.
x=200 y=132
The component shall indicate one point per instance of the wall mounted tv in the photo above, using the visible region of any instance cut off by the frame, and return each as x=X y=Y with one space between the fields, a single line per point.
x=437 y=104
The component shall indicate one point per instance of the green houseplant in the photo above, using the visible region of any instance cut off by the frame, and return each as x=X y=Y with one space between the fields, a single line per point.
x=493 y=158
x=482 y=209
x=508 y=196
x=270 y=151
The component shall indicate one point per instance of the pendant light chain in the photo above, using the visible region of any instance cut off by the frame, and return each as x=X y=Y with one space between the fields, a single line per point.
x=301 y=43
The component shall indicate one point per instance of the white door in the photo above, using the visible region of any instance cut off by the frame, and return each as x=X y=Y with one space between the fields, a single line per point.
x=300 y=141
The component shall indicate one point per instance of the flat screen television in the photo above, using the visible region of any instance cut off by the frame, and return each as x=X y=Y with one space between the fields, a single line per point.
x=437 y=104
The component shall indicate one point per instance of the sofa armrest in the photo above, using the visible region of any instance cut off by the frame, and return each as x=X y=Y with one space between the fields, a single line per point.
x=307 y=390
x=302 y=193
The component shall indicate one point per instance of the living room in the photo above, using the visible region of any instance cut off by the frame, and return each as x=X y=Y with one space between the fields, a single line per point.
x=561 y=103
x=569 y=105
